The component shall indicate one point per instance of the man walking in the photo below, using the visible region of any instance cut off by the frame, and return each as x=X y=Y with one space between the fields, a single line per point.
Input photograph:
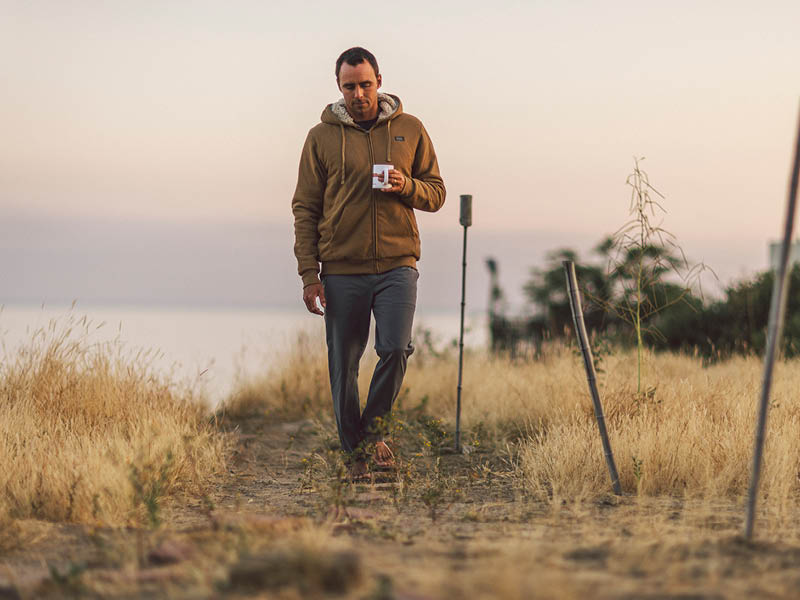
x=366 y=242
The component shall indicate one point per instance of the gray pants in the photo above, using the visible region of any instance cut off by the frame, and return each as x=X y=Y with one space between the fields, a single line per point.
x=392 y=298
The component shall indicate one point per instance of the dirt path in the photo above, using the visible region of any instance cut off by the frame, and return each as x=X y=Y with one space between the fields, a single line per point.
x=281 y=524
x=280 y=475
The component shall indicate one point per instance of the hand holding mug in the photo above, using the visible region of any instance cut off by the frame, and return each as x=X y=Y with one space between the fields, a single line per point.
x=387 y=179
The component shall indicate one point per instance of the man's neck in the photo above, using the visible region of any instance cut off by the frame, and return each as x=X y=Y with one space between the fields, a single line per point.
x=364 y=117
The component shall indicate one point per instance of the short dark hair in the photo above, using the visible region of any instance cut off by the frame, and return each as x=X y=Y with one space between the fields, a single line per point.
x=355 y=56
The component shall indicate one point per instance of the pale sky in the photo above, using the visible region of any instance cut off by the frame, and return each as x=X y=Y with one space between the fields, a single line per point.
x=197 y=111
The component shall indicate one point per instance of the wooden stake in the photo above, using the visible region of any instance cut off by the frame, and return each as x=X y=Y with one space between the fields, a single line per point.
x=591 y=375
x=777 y=311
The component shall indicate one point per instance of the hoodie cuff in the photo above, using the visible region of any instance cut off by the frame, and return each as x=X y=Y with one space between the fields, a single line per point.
x=408 y=188
x=310 y=278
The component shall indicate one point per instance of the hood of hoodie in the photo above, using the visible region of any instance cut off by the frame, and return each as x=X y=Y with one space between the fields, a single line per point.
x=389 y=107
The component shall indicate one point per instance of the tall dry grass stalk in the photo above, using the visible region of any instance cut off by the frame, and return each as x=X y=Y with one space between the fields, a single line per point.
x=89 y=433
x=690 y=436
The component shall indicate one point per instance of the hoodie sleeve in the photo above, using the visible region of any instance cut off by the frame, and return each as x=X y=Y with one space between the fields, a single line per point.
x=424 y=190
x=307 y=209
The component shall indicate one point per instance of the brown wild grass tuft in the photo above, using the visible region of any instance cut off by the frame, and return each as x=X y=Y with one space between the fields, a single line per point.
x=91 y=434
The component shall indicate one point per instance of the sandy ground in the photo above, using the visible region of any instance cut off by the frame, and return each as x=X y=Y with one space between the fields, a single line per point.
x=281 y=524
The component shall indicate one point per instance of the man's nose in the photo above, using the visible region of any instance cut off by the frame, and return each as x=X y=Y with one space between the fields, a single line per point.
x=359 y=92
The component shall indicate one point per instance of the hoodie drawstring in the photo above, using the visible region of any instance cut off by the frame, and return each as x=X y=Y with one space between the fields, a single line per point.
x=389 y=141
x=388 y=145
x=341 y=128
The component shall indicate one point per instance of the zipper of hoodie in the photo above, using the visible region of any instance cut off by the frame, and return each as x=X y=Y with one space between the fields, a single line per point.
x=374 y=206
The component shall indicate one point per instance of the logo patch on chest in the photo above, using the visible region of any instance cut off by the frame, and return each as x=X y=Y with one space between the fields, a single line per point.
x=399 y=138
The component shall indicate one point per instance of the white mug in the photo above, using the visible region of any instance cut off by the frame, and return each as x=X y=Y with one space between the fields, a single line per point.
x=377 y=183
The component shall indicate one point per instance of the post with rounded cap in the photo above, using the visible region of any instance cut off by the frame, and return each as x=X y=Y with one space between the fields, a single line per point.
x=466 y=220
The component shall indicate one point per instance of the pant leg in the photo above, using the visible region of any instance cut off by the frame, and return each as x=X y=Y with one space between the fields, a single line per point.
x=347 y=315
x=394 y=302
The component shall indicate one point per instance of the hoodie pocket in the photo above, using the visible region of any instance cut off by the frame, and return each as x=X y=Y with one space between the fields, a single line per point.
x=348 y=236
x=397 y=230
x=412 y=223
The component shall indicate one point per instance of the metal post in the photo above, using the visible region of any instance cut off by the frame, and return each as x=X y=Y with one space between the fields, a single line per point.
x=466 y=220
x=777 y=310
x=591 y=375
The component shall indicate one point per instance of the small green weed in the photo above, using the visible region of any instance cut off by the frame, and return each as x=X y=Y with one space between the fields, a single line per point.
x=326 y=474
x=69 y=581
x=638 y=471
x=150 y=482
x=434 y=492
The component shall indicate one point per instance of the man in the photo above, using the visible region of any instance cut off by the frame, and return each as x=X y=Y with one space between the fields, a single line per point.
x=367 y=242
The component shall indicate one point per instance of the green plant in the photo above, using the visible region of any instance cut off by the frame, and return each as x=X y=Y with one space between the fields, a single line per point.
x=547 y=292
x=150 y=483
x=601 y=349
x=400 y=489
x=434 y=490
x=642 y=255
x=326 y=474
x=428 y=346
x=70 y=580
x=638 y=471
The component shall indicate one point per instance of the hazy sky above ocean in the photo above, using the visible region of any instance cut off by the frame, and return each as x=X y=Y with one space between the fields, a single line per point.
x=176 y=114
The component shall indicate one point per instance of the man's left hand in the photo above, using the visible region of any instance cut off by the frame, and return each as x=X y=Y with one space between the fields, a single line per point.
x=397 y=179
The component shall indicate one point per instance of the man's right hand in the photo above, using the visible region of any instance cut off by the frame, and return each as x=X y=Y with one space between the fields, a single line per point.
x=310 y=295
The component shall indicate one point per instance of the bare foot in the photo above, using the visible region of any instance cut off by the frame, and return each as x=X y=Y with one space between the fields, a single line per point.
x=358 y=471
x=384 y=457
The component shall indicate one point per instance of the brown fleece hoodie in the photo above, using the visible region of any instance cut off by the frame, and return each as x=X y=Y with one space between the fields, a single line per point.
x=339 y=220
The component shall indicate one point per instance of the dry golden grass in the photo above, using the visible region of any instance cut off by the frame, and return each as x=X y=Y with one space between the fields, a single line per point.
x=514 y=519
x=90 y=434
x=498 y=393
x=689 y=435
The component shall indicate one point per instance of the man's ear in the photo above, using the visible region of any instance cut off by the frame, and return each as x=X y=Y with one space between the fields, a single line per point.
x=380 y=80
x=337 y=84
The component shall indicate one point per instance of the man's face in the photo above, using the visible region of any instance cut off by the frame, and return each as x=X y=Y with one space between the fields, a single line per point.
x=359 y=86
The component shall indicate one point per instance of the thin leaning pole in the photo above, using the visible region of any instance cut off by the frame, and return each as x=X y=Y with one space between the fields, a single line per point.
x=777 y=312
x=591 y=375
x=465 y=219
